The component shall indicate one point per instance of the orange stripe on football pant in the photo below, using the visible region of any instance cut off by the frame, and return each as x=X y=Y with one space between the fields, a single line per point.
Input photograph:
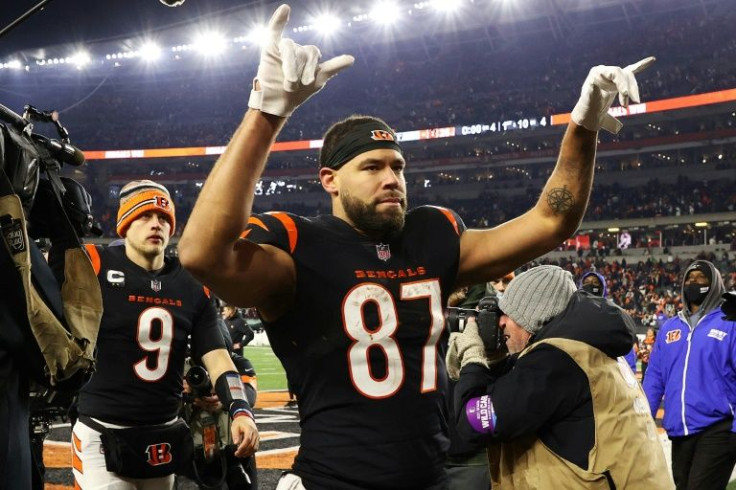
x=77 y=442
x=77 y=462
x=76 y=459
x=94 y=257
x=290 y=227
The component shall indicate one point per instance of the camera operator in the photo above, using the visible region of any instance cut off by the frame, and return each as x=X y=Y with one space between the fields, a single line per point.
x=214 y=464
x=49 y=317
x=467 y=463
x=561 y=411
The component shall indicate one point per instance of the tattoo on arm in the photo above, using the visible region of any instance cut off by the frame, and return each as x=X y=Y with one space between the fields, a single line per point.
x=560 y=200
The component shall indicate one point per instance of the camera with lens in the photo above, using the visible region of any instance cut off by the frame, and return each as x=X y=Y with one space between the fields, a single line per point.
x=214 y=463
x=54 y=205
x=47 y=406
x=199 y=382
x=486 y=315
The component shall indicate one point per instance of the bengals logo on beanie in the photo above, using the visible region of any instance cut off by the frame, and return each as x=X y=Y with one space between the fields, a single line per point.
x=141 y=196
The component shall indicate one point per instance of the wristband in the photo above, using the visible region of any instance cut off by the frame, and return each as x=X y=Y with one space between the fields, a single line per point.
x=231 y=392
x=241 y=408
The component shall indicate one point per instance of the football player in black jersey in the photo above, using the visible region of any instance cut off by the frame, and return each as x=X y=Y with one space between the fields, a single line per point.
x=353 y=302
x=152 y=306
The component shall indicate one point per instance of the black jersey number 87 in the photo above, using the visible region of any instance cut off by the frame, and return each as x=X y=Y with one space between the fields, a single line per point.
x=383 y=336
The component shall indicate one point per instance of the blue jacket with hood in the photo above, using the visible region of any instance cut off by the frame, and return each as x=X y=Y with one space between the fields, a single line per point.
x=693 y=365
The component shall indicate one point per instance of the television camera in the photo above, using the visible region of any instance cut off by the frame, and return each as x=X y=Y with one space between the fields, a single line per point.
x=25 y=155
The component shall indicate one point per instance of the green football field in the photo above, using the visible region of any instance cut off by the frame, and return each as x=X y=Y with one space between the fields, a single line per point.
x=269 y=372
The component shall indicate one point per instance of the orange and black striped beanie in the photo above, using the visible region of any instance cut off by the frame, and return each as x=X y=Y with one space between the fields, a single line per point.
x=140 y=196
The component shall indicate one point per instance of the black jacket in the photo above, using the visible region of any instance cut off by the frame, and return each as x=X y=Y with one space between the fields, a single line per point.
x=545 y=391
x=240 y=332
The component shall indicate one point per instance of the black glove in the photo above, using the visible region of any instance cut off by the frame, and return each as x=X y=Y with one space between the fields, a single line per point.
x=729 y=306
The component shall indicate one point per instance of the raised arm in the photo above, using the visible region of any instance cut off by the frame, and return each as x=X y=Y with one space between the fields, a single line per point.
x=238 y=271
x=491 y=253
x=209 y=247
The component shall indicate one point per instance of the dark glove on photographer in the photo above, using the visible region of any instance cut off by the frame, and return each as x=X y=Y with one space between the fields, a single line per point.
x=729 y=306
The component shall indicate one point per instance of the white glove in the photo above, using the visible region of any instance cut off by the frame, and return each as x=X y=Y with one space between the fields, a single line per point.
x=599 y=90
x=288 y=73
x=465 y=348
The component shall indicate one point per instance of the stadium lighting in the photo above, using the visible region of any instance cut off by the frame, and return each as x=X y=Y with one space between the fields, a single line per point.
x=701 y=224
x=327 y=24
x=79 y=59
x=445 y=5
x=385 y=12
x=149 y=51
x=12 y=65
x=258 y=35
x=210 y=44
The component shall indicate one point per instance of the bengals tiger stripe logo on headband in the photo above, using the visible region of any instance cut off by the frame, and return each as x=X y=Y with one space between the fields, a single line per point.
x=381 y=135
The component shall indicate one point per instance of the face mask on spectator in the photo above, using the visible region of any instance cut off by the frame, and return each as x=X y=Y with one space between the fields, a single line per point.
x=695 y=293
x=593 y=289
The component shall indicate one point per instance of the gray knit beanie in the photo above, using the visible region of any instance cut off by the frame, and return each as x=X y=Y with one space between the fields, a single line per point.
x=534 y=297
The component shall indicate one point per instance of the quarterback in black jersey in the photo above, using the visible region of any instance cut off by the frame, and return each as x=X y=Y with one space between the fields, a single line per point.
x=152 y=309
x=353 y=302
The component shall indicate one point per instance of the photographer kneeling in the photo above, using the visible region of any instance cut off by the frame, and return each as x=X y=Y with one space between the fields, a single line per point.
x=560 y=411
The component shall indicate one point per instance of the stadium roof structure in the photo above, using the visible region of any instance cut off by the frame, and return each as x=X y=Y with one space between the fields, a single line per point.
x=109 y=26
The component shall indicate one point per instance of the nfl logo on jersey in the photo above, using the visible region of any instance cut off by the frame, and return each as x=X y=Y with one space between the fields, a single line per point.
x=156 y=285
x=383 y=252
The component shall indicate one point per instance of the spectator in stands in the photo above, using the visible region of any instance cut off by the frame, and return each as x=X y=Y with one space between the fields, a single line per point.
x=594 y=283
x=692 y=366
x=645 y=350
x=562 y=410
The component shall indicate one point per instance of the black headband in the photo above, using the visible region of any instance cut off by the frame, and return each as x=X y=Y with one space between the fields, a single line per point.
x=368 y=136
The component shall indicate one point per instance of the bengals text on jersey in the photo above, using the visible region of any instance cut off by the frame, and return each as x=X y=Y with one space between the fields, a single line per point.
x=364 y=346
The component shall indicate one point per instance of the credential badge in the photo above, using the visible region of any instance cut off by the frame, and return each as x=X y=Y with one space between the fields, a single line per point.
x=13 y=234
x=383 y=252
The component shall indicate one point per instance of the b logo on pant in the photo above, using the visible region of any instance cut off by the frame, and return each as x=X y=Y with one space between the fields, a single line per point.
x=159 y=454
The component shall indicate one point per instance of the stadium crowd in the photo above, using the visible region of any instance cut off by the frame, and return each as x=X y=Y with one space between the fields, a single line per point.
x=132 y=103
x=492 y=206
x=649 y=290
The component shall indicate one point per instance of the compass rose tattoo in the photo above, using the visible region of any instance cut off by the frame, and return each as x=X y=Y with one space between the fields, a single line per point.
x=560 y=199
